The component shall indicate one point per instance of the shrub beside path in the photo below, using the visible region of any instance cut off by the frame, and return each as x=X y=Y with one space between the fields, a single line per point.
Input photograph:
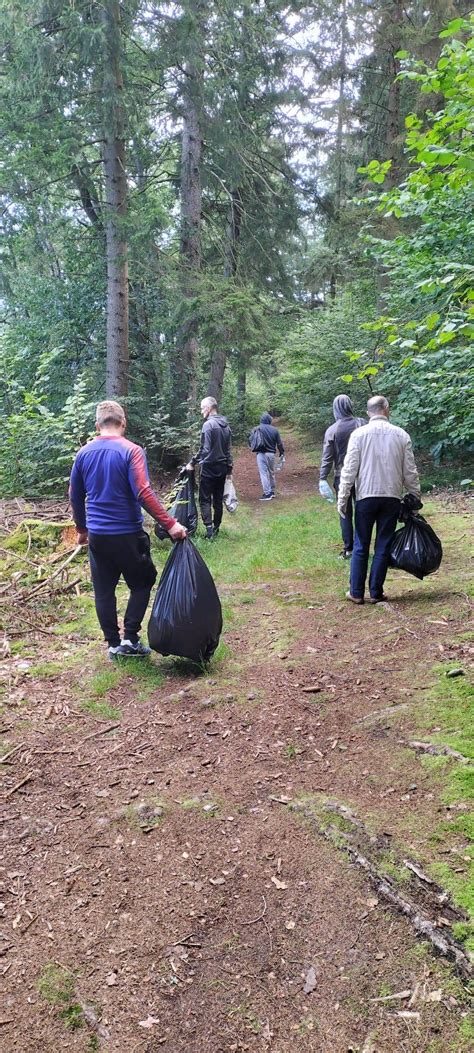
x=271 y=855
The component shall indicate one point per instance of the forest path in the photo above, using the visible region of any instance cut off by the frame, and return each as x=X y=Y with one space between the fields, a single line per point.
x=183 y=857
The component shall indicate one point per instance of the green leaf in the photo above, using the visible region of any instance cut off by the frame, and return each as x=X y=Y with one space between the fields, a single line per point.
x=347 y=378
x=453 y=27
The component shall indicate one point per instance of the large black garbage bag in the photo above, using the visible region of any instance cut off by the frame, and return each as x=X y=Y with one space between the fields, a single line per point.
x=186 y=619
x=416 y=548
x=183 y=505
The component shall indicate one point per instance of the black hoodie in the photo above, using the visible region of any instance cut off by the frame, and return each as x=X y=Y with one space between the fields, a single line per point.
x=271 y=436
x=214 y=454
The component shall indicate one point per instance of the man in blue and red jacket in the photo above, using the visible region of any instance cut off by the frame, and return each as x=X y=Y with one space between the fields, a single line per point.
x=108 y=488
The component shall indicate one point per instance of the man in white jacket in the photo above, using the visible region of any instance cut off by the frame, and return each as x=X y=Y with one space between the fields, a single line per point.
x=380 y=464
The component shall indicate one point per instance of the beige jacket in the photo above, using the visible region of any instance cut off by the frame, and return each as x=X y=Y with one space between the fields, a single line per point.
x=379 y=462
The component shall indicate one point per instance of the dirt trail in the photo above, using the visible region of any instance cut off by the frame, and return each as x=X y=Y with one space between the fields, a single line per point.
x=176 y=875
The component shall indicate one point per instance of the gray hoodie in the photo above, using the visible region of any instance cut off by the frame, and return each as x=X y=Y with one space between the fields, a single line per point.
x=337 y=436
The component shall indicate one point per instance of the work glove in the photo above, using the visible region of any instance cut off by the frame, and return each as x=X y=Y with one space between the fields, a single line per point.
x=325 y=491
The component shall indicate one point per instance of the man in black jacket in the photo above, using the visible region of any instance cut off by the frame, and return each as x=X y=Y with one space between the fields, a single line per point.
x=270 y=439
x=215 y=460
x=336 y=440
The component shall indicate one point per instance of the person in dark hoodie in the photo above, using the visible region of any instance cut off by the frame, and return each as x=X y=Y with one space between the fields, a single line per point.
x=269 y=439
x=336 y=440
x=215 y=460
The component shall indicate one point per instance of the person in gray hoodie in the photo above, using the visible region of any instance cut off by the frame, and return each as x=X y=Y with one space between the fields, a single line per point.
x=336 y=440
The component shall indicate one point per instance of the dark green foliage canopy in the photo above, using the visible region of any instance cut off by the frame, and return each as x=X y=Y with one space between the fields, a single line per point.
x=308 y=282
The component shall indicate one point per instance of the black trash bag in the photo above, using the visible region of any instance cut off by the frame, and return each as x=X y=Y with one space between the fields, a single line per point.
x=183 y=505
x=416 y=548
x=411 y=503
x=186 y=618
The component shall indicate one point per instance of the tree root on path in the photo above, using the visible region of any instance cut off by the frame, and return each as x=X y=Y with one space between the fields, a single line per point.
x=358 y=844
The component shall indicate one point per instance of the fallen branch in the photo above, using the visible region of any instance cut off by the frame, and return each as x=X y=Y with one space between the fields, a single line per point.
x=6 y=756
x=391 y=997
x=100 y=731
x=437 y=751
x=253 y=921
x=18 y=786
x=443 y=943
x=55 y=573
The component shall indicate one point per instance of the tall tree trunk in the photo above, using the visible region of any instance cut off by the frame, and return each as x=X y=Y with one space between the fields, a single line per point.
x=219 y=358
x=241 y=391
x=117 y=366
x=340 y=173
x=394 y=38
x=185 y=376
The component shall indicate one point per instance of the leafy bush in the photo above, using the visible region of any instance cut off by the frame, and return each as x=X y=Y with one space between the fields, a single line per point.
x=316 y=355
x=425 y=340
x=38 y=446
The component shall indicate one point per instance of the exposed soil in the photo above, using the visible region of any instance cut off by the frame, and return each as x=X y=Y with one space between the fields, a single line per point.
x=157 y=860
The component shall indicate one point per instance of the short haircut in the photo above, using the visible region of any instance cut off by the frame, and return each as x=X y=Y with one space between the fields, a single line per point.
x=377 y=404
x=109 y=412
x=209 y=403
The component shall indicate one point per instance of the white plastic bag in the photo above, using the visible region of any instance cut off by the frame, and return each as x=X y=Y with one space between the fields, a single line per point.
x=230 y=496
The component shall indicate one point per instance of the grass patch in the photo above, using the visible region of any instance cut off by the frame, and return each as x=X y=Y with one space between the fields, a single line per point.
x=210 y=809
x=98 y=688
x=147 y=814
x=101 y=709
x=104 y=682
x=57 y=986
x=45 y=669
x=461 y=888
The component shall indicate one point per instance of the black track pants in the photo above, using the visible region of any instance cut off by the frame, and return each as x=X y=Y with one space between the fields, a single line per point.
x=211 y=493
x=113 y=555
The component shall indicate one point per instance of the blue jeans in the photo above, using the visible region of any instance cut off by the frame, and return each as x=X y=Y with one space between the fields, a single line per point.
x=383 y=513
x=347 y=527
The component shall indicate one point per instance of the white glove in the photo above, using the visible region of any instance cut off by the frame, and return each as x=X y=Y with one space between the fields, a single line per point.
x=325 y=491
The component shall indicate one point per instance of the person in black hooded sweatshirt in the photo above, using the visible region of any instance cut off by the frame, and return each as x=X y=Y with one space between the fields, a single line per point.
x=336 y=440
x=270 y=440
x=215 y=460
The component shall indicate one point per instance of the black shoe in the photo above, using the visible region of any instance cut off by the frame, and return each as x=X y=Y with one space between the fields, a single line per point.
x=128 y=649
x=266 y=497
x=345 y=554
x=215 y=532
x=209 y=533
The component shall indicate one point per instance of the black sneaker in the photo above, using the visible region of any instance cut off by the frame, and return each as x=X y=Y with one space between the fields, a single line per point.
x=112 y=652
x=345 y=554
x=266 y=497
x=215 y=532
x=209 y=533
x=129 y=650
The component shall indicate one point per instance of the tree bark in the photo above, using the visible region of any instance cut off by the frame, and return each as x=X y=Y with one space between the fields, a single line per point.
x=185 y=378
x=241 y=391
x=394 y=37
x=219 y=358
x=340 y=174
x=117 y=365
